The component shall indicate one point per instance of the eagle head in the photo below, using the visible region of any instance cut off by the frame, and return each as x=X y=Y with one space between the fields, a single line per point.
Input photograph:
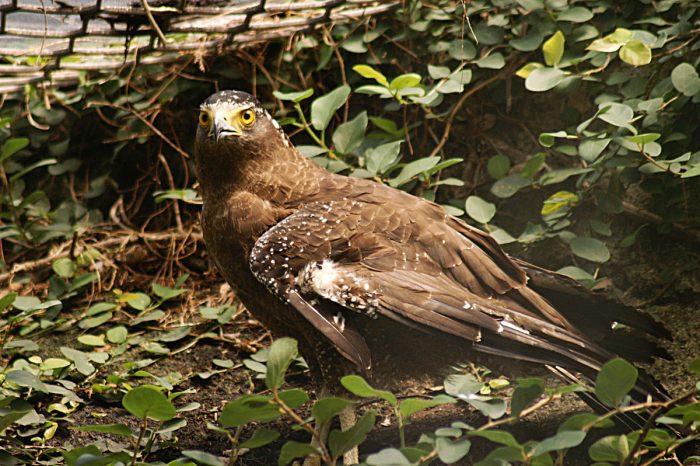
x=236 y=122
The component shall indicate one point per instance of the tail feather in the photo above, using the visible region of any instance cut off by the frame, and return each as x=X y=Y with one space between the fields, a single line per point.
x=589 y=310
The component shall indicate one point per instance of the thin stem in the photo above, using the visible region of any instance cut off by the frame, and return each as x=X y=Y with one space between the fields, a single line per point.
x=668 y=450
x=325 y=455
x=453 y=113
x=234 y=445
x=402 y=425
x=152 y=21
x=142 y=430
x=311 y=133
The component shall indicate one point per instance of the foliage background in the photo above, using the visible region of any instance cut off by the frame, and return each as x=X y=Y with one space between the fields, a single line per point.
x=566 y=129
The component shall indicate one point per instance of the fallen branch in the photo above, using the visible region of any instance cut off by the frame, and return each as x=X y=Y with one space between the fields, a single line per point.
x=631 y=209
x=118 y=239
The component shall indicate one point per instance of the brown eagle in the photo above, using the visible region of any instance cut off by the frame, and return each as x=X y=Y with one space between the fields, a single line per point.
x=372 y=279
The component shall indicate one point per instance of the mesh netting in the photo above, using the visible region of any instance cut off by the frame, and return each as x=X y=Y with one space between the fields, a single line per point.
x=55 y=40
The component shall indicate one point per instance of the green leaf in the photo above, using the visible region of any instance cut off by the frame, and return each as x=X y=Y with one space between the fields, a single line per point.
x=80 y=359
x=591 y=249
x=438 y=72
x=342 y=442
x=498 y=166
x=548 y=139
x=488 y=406
x=404 y=81
x=635 y=53
x=528 y=68
x=348 y=136
x=388 y=457
x=116 y=429
x=374 y=90
x=578 y=421
x=645 y=138
x=6 y=300
x=553 y=49
x=147 y=402
x=529 y=43
x=292 y=450
x=295 y=97
x=282 y=353
x=64 y=267
x=488 y=35
x=324 y=107
x=611 y=42
x=50 y=364
x=13 y=410
x=577 y=14
x=203 y=458
x=326 y=408
x=462 y=50
x=96 y=321
x=494 y=61
x=694 y=366
x=479 y=209
x=410 y=406
x=496 y=436
x=260 y=438
x=259 y=408
x=92 y=340
x=248 y=408
x=12 y=146
x=614 y=381
x=543 y=79
x=511 y=184
x=165 y=293
x=379 y=159
x=21 y=346
x=91 y=456
x=358 y=386
x=462 y=384
x=29 y=168
x=558 y=176
x=561 y=441
x=138 y=301
x=558 y=201
x=533 y=165
x=590 y=149
x=685 y=79
x=26 y=379
x=367 y=71
x=608 y=448
x=99 y=308
x=528 y=390
x=117 y=335
x=450 y=451
x=617 y=114
x=413 y=169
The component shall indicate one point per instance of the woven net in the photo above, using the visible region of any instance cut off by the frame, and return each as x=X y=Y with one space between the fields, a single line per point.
x=53 y=41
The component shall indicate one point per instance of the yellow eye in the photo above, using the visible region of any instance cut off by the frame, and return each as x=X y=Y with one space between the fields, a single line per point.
x=247 y=117
x=204 y=119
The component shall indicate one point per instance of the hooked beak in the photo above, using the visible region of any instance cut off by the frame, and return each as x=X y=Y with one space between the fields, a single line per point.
x=223 y=129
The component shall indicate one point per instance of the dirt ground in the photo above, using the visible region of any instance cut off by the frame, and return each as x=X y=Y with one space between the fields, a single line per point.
x=638 y=275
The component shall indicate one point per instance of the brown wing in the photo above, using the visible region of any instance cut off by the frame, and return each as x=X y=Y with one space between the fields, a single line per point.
x=420 y=267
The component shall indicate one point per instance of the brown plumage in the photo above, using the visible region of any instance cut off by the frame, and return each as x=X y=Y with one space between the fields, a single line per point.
x=372 y=279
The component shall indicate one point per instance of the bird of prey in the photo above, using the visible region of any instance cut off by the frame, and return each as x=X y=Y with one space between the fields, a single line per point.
x=373 y=279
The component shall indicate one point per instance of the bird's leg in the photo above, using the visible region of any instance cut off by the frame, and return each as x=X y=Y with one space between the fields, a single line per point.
x=318 y=441
x=347 y=420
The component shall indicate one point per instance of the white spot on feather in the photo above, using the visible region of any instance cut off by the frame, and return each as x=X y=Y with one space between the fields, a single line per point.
x=324 y=278
x=508 y=324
